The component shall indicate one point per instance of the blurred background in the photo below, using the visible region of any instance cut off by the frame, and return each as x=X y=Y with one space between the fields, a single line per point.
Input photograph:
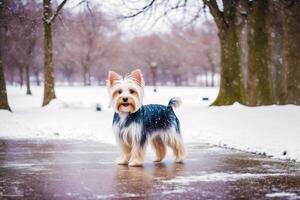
x=249 y=49
x=90 y=38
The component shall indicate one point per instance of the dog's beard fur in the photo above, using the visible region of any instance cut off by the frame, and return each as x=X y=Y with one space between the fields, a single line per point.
x=130 y=87
x=129 y=107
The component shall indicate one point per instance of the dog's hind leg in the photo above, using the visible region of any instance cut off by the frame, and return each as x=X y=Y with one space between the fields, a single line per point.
x=176 y=143
x=159 y=148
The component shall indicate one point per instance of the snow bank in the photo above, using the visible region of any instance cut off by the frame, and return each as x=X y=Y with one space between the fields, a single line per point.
x=273 y=130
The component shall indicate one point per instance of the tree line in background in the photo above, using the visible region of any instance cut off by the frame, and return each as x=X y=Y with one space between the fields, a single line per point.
x=254 y=45
x=259 y=39
x=81 y=46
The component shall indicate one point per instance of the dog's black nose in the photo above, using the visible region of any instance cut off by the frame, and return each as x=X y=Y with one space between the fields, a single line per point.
x=125 y=99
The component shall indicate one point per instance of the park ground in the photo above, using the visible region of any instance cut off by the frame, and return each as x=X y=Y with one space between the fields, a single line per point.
x=67 y=149
x=268 y=130
x=74 y=169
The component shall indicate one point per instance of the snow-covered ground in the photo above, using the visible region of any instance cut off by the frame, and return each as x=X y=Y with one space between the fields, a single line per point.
x=273 y=130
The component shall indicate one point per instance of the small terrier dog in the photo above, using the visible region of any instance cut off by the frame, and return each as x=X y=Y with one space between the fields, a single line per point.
x=135 y=125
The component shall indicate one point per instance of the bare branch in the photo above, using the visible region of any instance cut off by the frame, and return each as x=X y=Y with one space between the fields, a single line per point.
x=62 y=22
x=142 y=10
x=196 y=16
x=81 y=2
x=58 y=9
x=89 y=8
x=215 y=11
x=14 y=14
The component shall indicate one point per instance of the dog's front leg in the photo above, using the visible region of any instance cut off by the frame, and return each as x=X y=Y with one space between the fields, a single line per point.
x=137 y=156
x=125 y=154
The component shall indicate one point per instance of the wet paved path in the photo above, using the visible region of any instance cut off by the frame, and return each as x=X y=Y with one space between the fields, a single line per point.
x=37 y=169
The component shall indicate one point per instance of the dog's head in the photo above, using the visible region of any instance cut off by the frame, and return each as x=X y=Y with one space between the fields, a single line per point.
x=126 y=93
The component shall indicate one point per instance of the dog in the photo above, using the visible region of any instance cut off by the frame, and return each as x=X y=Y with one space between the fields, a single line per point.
x=135 y=124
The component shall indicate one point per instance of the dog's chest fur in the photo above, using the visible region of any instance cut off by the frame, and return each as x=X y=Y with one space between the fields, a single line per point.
x=127 y=132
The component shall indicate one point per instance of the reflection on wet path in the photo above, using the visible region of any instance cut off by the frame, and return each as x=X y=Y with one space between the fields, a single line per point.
x=37 y=169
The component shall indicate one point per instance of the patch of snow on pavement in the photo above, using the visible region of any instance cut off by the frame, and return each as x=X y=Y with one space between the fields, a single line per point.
x=179 y=190
x=281 y=194
x=107 y=196
x=219 y=176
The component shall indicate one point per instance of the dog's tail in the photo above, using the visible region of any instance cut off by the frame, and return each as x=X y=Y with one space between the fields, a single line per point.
x=175 y=102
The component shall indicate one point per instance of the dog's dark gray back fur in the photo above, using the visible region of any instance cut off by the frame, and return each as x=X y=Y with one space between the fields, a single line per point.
x=152 y=118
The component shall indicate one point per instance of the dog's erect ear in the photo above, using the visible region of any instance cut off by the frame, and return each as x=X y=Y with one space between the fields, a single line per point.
x=137 y=76
x=112 y=78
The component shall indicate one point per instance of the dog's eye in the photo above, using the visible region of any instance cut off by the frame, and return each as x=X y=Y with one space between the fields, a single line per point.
x=120 y=91
x=131 y=91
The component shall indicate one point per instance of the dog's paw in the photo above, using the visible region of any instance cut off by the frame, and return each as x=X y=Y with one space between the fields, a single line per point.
x=122 y=162
x=157 y=160
x=135 y=164
x=179 y=160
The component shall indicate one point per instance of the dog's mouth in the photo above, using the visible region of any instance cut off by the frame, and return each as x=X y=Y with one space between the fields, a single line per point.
x=126 y=107
x=125 y=104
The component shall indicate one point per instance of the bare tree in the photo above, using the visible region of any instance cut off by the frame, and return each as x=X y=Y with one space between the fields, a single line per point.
x=148 y=51
x=92 y=43
x=3 y=26
x=3 y=94
x=48 y=19
x=230 y=24
x=28 y=36
x=201 y=49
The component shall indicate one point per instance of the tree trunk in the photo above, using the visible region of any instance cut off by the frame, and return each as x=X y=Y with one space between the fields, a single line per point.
x=153 y=70
x=291 y=51
x=69 y=81
x=206 y=79
x=177 y=75
x=259 y=84
x=37 y=78
x=232 y=84
x=276 y=23
x=21 y=80
x=11 y=78
x=3 y=95
x=213 y=69
x=27 y=74
x=85 y=74
x=49 y=92
x=28 y=60
x=230 y=24
x=89 y=78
